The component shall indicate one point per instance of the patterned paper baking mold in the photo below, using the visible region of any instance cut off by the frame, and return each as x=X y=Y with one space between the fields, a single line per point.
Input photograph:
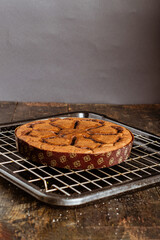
x=73 y=160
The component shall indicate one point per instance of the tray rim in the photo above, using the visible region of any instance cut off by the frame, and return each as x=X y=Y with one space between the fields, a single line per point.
x=83 y=198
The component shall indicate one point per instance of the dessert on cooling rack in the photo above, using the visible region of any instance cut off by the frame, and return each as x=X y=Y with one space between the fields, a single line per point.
x=74 y=143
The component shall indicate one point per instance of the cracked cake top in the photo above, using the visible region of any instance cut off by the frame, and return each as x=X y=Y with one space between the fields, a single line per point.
x=74 y=135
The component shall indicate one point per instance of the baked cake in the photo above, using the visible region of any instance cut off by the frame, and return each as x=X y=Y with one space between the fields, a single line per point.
x=74 y=143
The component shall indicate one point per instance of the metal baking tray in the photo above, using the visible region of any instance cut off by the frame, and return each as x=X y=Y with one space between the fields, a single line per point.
x=65 y=187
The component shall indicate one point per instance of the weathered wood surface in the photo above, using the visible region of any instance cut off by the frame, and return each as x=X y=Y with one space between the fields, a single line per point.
x=128 y=217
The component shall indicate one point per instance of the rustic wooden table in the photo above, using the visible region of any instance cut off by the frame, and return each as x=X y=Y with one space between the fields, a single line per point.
x=128 y=217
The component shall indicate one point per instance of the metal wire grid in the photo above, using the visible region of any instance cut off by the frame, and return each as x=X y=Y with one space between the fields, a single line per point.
x=143 y=162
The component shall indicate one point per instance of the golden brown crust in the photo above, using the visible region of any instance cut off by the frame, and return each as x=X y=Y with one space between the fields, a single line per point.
x=74 y=135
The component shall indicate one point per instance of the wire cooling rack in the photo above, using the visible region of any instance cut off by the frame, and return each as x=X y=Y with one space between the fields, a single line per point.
x=74 y=187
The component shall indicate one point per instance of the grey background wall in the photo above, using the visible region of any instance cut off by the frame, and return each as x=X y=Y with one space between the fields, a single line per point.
x=92 y=51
